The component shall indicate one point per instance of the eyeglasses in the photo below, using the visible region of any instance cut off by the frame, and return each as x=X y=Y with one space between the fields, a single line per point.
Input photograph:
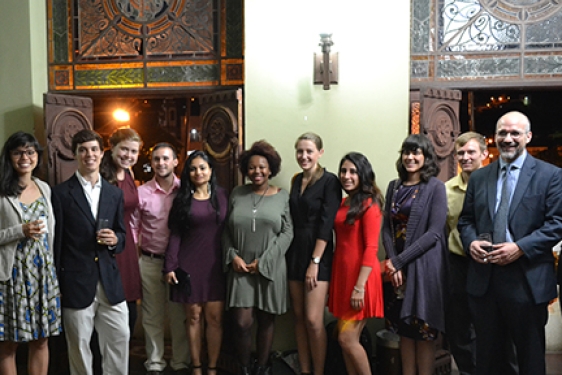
x=515 y=135
x=19 y=153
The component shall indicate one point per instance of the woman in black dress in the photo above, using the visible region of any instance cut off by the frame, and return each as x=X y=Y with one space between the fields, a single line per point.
x=314 y=200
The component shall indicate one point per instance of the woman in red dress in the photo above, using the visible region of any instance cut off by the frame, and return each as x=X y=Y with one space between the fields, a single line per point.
x=356 y=287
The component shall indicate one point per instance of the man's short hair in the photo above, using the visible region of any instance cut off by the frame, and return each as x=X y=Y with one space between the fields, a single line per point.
x=464 y=138
x=86 y=135
x=165 y=145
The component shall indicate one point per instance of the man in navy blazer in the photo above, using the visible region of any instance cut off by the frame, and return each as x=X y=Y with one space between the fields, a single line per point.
x=92 y=293
x=511 y=285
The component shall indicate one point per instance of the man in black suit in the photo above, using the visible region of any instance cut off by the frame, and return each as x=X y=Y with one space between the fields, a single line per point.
x=511 y=283
x=92 y=294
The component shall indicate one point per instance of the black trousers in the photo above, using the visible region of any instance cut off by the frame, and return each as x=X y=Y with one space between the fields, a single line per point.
x=507 y=310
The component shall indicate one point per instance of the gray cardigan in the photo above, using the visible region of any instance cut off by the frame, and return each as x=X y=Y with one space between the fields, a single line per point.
x=11 y=231
x=425 y=254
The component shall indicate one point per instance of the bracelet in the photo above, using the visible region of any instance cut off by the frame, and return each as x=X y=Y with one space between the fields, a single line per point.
x=358 y=290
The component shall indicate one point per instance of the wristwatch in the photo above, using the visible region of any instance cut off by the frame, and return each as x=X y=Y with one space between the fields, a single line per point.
x=316 y=260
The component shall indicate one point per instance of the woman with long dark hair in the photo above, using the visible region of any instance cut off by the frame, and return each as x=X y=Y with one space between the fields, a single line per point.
x=29 y=291
x=314 y=200
x=356 y=285
x=258 y=234
x=414 y=239
x=196 y=222
x=116 y=167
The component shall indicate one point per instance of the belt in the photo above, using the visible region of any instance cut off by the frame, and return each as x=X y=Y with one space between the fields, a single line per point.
x=152 y=255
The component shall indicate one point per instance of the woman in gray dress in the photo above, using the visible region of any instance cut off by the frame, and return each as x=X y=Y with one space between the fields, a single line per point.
x=29 y=290
x=258 y=234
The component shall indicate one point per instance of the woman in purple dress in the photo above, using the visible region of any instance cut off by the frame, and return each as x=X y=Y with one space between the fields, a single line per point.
x=415 y=242
x=196 y=222
x=116 y=169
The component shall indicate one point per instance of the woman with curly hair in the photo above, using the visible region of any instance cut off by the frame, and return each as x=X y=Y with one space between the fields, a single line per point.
x=415 y=242
x=116 y=169
x=258 y=234
x=356 y=285
x=29 y=291
x=196 y=222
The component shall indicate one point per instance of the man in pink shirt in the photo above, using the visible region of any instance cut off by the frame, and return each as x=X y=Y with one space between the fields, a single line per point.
x=149 y=225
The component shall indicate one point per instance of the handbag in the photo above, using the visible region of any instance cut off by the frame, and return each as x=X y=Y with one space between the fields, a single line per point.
x=184 y=283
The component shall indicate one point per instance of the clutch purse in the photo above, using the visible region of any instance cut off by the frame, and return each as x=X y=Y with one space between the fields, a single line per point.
x=184 y=283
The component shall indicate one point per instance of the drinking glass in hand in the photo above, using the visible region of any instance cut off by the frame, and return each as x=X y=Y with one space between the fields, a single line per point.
x=488 y=238
x=102 y=224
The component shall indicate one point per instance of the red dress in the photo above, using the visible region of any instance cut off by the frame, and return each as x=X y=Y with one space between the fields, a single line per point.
x=356 y=246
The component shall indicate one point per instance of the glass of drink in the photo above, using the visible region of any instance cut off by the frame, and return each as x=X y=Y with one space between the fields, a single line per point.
x=102 y=224
x=487 y=237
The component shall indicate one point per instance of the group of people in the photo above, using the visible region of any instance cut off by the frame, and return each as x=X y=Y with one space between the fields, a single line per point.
x=471 y=257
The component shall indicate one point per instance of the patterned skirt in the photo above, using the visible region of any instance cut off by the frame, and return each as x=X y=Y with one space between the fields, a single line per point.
x=30 y=300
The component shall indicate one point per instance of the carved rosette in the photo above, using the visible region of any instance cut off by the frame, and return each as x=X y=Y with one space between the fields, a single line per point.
x=442 y=129
x=218 y=135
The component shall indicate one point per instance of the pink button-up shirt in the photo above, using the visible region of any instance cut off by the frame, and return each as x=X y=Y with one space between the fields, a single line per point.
x=149 y=223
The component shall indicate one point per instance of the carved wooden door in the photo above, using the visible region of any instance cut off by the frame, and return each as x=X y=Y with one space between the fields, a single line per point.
x=435 y=113
x=222 y=134
x=65 y=115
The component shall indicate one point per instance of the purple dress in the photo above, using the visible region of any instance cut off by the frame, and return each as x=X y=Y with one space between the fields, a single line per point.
x=199 y=252
x=128 y=260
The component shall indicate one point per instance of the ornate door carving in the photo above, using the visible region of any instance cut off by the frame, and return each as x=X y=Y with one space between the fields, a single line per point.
x=435 y=113
x=65 y=115
x=222 y=134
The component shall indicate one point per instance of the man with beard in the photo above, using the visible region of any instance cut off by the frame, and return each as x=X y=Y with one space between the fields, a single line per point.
x=517 y=199
x=149 y=225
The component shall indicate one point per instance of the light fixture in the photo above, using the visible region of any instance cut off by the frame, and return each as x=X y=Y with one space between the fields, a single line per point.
x=121 y=115
x=194 y=136
x=326 y=64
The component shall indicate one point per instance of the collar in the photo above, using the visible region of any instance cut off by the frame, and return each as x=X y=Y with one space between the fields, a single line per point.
x=517 y=163
x=84 y=182
x=458 y=182
x=175 y=186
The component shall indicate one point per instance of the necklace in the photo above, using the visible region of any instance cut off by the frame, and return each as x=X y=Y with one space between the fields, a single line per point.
x=255 y=206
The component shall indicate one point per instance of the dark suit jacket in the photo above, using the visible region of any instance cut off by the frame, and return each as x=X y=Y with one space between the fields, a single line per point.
x=80 y=261
x=535 y=222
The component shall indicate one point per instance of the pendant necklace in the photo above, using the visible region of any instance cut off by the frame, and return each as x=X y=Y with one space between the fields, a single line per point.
x=255 y=206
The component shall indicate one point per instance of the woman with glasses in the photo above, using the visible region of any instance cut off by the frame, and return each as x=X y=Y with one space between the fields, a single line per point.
x=415 y=242
x=29 y=291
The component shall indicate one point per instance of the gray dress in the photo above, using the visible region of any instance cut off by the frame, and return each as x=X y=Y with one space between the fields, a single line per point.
x=269 y=242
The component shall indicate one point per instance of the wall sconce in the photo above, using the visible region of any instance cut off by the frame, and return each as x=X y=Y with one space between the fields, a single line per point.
x=326 y=64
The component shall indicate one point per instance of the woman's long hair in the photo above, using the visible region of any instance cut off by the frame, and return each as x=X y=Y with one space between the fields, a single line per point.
x=108 y=169
x=430 y=167
x=367 y=187
x=178 y=219
x=9 y=179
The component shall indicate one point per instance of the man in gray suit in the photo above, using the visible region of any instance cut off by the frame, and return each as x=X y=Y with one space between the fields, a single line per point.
x=510 y=283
